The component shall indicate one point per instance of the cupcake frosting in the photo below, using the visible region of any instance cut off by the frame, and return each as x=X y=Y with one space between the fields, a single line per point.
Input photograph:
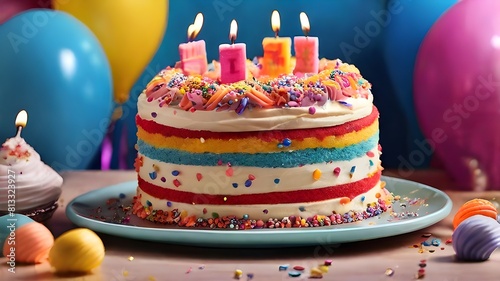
x=32 y=182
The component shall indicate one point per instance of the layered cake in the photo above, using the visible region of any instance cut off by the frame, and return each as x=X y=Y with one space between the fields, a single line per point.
x=292 y=151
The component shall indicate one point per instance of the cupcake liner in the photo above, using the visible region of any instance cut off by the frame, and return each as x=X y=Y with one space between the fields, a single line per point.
x=39 y=214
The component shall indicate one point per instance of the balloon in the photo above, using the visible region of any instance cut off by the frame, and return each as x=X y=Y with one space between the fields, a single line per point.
x=54 y=67
x=407 y=26
x=130 y=32
x=10 y=8
x=457 y=92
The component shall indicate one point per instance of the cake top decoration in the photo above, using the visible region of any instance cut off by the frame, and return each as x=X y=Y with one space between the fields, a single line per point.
x=336 y=81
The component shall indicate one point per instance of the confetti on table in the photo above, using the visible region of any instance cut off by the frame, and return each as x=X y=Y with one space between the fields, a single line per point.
x=238 y=273
x=389 y=272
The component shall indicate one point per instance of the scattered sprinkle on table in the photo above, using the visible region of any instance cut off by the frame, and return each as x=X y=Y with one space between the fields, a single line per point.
x=298 y=268
x=294 y=273
x=389 y=272
x=283 y=267
x=238 y=273
x=130 y=258
x=316 y=273
x=328 y=262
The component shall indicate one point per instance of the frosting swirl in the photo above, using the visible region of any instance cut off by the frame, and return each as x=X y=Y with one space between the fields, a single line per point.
x=32 y=182
x=476 y=238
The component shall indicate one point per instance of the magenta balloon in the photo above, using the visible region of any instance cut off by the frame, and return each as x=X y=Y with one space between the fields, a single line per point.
x=10 y=8
x=457 y=90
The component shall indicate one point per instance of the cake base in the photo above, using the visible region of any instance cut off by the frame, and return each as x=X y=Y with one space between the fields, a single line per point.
x=181 y=218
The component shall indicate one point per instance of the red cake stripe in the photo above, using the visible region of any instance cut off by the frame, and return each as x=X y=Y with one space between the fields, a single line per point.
x=350 y=190
x=151 y=126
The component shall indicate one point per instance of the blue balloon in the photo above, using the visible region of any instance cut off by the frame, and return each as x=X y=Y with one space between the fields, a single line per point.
x=53 y=66
x=409 y=23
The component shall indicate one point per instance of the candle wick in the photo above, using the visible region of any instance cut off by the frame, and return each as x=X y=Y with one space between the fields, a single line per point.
x=19 y=129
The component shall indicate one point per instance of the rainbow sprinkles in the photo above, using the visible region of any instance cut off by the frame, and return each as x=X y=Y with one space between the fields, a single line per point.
x=336 y=81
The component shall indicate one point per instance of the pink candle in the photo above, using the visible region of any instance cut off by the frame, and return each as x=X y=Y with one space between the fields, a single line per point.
x=193 y=54
x=306 y=49
x=232 y=58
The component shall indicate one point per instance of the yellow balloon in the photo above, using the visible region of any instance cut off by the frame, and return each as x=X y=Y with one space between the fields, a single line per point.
x=130 y=32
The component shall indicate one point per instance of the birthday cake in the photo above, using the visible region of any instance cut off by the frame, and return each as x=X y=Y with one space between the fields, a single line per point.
x=292 y=151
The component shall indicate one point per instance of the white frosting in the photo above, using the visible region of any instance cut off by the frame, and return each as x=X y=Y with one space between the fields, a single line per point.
x=331 y=114
x=31 y=181
x=273 y=210
x=214 y=180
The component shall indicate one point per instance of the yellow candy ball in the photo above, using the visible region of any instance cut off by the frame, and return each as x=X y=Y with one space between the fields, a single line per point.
x=78 y=250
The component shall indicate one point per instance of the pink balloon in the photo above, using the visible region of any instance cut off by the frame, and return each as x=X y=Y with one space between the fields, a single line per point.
x=457 y=92
x=10 y=8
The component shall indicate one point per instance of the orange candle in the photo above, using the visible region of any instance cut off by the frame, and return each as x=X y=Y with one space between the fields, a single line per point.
x=277 y=50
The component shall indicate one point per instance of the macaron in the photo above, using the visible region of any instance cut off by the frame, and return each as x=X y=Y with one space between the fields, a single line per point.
x=476 y=238
x=474 y=207
x=10 y=222
x=25 y=240
x=77 y=251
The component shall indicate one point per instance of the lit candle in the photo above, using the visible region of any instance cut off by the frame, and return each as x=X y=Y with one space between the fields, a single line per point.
x=232 y=58
x=194 y=54
x=15 y=148
x=306 y=49
x=21 y=121
x=277 y=50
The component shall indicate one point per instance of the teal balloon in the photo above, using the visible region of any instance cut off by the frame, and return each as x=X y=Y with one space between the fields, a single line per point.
x=407 y=27
x=54 y=67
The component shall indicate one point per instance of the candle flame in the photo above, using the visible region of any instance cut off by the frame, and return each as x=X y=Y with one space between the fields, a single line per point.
x=233 y=30
x=304 y=22
x=22 y=118
x=275 y=22
x=195 y=28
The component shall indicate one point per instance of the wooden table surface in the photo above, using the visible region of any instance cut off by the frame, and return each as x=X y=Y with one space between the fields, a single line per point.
x=367 y=260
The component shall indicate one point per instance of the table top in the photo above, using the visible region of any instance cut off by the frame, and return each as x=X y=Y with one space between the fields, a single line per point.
x=366 y=260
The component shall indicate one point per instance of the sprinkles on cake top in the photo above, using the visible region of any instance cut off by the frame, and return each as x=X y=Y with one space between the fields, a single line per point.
x=336 y=81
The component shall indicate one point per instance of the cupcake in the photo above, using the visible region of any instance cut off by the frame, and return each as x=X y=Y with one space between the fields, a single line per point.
x=27 y=185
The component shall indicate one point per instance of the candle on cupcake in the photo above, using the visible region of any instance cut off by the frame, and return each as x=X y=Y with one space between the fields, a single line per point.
x=232 y=58
x=277 y=51
x=37 y=186
x=21 y=121
x=306 y=49
x=193 y=54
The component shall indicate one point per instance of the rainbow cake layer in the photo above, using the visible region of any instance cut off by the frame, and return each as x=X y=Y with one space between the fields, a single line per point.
x=283 y=152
